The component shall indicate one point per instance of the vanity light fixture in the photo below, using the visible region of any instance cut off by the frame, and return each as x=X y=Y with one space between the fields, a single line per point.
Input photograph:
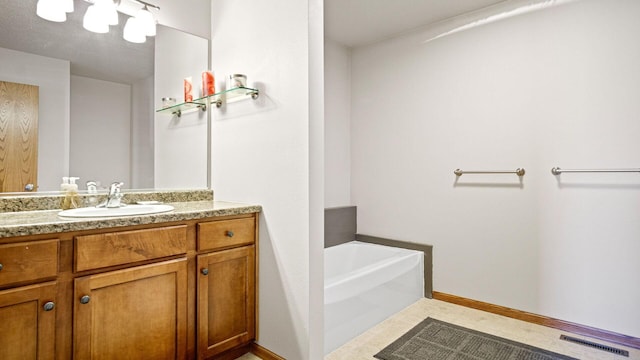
x=100 y=15
x=54 y=10
x=141 y=25
x=146 y=21
x=94 y=21
x=67 y=5
x=133 y=31
x=103 y=13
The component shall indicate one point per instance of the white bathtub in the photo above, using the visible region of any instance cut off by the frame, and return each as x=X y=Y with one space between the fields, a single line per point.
x=365 y=284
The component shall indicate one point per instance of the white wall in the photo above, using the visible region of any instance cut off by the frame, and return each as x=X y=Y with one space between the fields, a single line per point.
x=557 y=87
x=316 y=178
x=180 y=152
x=142 y=133
x=100 y=146
x=191 y=16
x=337 y=142
x=52 y=78
x=266 y=152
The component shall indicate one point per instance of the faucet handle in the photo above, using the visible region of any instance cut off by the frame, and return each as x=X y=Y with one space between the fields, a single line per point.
x=115 y=187
x=92 y=187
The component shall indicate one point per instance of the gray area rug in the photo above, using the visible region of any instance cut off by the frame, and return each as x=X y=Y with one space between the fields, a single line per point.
x=437 y=340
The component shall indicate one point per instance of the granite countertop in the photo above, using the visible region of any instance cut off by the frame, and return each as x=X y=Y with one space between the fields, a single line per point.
x=21 y=223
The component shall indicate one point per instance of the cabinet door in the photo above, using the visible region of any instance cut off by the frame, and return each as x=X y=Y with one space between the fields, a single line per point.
x=29 y=321
x=226 y=300
x=136 y=313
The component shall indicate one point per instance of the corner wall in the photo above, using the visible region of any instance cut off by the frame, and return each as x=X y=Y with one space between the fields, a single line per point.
x=265 y=151
x=556 y=87
x=337 y=144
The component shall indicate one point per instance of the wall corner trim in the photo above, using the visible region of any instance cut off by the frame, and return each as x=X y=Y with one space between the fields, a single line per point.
x=574 y=328
x=264 y=354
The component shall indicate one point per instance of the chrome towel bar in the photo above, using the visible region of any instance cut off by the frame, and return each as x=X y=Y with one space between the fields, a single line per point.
x=558 y=171
x=518 y=171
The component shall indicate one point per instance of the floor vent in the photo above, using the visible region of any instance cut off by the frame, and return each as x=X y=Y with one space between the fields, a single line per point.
x=595 y=345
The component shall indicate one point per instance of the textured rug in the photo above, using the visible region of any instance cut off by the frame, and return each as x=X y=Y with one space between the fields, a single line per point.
x=437 y=340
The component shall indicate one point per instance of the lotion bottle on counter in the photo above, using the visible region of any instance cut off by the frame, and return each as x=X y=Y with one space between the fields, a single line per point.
x=71 y=200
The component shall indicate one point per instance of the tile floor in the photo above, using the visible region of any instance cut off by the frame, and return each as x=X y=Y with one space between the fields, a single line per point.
x=375 y=339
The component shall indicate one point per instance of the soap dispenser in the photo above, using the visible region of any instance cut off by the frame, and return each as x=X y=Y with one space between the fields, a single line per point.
x=71 y=200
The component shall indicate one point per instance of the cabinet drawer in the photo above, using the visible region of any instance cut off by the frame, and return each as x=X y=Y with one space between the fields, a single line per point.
x=109 y=249
x=226 y=233
x=27 y=261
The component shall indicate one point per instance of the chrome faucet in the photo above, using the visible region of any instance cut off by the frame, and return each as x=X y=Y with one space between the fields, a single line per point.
x=114 y=196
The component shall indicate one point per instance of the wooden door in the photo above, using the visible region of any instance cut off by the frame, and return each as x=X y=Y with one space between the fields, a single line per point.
x=226 y=300
x=18 y=137
x=136 y=313
x=28 y=317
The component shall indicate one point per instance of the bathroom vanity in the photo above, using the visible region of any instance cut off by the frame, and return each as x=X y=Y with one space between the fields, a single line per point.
x=173 y=285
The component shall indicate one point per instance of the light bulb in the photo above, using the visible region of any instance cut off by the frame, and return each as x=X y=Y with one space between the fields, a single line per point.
x=107 y=11
x=48 y=10
x=147 y=21
x=94 y=22
x=133 y=32
x=67 y=6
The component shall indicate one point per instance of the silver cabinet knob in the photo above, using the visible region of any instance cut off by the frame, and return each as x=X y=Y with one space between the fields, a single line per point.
x=29 y=187
x=49 y=305
x=85 y=299
x=229 y=233
x=1 y=266
x=205 y=271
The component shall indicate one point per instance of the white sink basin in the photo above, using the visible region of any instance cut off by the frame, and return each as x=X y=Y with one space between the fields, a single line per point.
x=128 y=210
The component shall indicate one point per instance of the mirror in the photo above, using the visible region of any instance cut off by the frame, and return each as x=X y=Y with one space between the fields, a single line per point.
x=97 y=105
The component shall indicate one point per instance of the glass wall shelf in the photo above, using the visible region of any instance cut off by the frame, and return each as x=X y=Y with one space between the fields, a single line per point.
x=230 y=95
x=235 y=94
x=179 y=108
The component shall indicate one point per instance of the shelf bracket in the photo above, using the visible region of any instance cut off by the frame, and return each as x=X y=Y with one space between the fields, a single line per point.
x=254 y=95
x=178 y=113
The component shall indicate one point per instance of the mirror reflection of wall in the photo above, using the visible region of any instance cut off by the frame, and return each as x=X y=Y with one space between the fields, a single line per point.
x=181 y=155
x=97 y=101
x=101 y=142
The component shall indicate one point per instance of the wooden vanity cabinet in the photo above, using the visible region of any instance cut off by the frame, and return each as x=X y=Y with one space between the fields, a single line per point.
x=29 y=322
x=28 y=303
x=226 y=305
x=134 y=313
x=138 y=312
x=179 y=290
x=226 y=300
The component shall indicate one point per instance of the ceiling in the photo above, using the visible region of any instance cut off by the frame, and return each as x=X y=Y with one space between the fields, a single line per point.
x=360 y=22
x=109 y=57
x=101 y=56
